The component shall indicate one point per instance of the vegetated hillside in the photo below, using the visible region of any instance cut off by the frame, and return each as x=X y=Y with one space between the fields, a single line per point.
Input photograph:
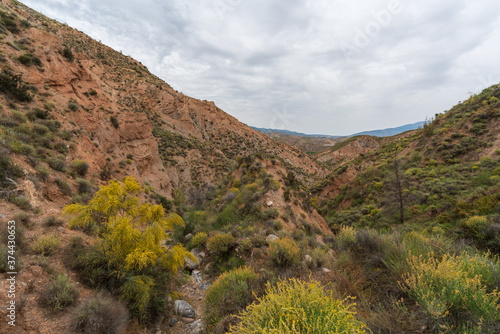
x=446 y=171
x=118 y=117
x=76 y=115
x=347 y=150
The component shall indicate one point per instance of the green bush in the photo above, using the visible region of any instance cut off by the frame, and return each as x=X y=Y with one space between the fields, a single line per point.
x=198 y=241
x=73 y=106
x=53 y=221
x=7 y=168
x=220 y=244
x=21 y=201
x=284 y=252
x=46 y=244
x=59 y=293
x=230 y=293
x=79 y=167
x=293 y=306
x=57 y=164
x=114 y=121
x=29 y=59
x=100 y=314
x=68 y=54
x=12 y=85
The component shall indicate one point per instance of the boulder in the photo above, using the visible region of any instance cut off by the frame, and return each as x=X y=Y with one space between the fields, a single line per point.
x=184 y=309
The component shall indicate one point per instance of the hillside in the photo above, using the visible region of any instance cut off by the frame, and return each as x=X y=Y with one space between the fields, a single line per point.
x=138 y=209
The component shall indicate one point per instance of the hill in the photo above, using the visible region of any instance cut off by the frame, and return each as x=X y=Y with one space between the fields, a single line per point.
x=311 y=143
x=110 y=177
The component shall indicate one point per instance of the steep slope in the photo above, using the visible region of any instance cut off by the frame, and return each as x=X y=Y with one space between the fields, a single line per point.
x=128 y=121
x=444 y=172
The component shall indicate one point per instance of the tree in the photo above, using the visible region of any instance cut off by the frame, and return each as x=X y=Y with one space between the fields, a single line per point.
x=133 y=237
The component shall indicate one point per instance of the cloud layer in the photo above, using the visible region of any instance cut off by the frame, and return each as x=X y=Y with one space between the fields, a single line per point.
x=315 y=66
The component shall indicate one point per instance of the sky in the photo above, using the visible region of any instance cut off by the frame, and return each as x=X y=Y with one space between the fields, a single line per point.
x=333 y=67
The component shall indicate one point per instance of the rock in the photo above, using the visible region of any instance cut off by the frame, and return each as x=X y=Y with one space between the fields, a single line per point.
x=202 y=255
x=60 y=228
x=198 y=327
x=326 y=270
x=192 y=265
x=31 y=194
x=188 y=237
x=308 y=258
x=172 y=322
x=269 y=203
x=184 y=309
x=196 y=275
x=270 y=238
x=187 y=320
x=195 y=323
x=205 y=286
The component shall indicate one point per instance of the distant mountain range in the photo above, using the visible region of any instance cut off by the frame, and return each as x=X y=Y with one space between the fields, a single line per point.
x=378 y=133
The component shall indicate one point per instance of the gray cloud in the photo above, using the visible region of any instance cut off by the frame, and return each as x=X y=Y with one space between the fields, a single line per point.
x=322 y=66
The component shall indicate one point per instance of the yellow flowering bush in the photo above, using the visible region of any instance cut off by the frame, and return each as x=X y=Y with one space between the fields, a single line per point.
x=293 y=306
x=198 y=241
x=284 y=252
x=455 y=284
x=220 y=244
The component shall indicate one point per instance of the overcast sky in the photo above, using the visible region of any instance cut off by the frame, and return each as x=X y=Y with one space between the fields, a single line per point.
x=315 y=66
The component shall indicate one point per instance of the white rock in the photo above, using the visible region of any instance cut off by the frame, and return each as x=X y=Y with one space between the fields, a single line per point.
x=271 y=237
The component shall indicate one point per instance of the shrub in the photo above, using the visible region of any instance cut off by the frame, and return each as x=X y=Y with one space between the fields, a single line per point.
x=12 y=85
x=230 y=293
x=130 y=254
x=456 y=285
x=100 y=314
x=476 y=223
x=84 y=186
x=79 y=167
x=46 y=244
x=73 y=106
x=346 y=238
x=114 y=122
x=59 y=293
x=53 y=221
x=284 y=252
x=7 y=168
x=29 y=59
x=198 y=241
x=66 y=52
x=21 y=201
x=64 y=187
x=293 y=306
x=57 y=164
x=220 y=244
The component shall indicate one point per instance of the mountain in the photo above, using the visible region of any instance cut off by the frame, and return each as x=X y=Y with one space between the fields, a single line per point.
x=312 y=143
x=391 y=131
x=291 y=133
